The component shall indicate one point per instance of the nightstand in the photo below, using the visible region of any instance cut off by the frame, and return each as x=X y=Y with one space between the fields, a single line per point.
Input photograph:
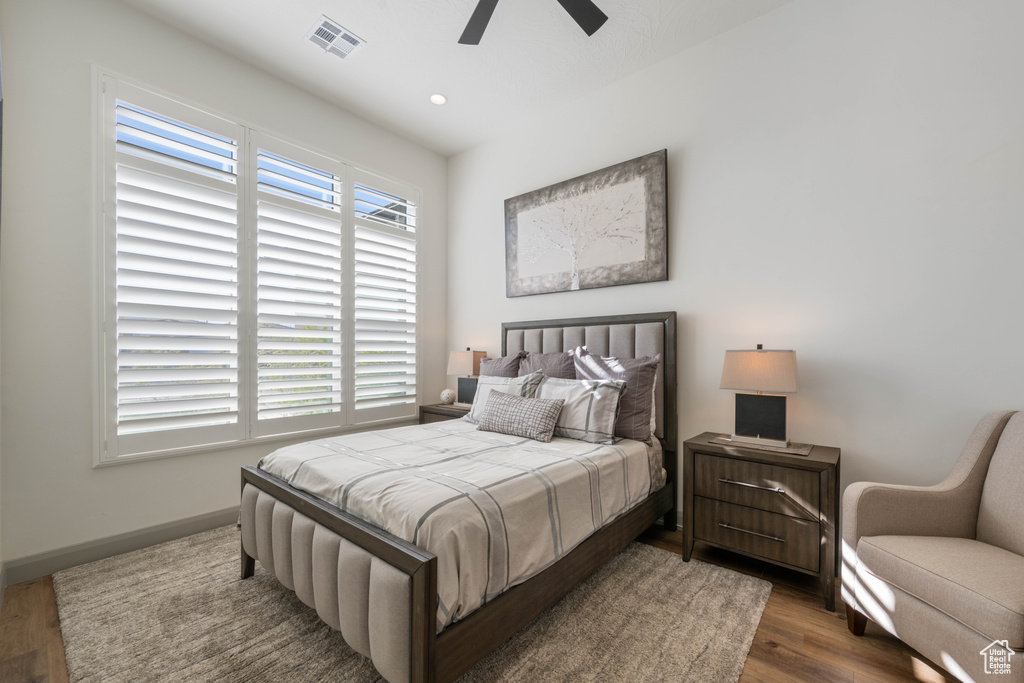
x=777 y=507
x=440 y=412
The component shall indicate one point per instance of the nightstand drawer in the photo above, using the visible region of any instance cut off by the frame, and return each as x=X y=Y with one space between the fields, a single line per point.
x=784 y=490
x=778 y=538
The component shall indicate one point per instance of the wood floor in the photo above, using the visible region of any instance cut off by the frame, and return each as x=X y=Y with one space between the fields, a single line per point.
x=797 y=640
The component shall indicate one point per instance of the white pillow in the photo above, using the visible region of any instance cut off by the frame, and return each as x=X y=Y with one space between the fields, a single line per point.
x=519 y=386
x=654 y=405
x=589 y=407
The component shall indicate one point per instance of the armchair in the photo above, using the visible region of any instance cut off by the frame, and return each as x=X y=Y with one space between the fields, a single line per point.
x=942 y=567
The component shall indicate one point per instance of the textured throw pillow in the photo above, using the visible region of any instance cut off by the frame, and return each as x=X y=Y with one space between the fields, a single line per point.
x=636 y=404
x=533 y=418
x=558 y=364
x=520 y=386
x=589 y=409
x=506 y=366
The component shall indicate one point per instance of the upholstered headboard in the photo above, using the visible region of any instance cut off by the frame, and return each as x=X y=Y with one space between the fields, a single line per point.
x=623 y=336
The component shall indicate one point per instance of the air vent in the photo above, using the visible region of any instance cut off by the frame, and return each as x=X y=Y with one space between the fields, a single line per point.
x=330 y=36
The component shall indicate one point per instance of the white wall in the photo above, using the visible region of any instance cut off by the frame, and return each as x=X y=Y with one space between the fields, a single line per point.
x=52 y=497
x=2 y=574
x=846 y=179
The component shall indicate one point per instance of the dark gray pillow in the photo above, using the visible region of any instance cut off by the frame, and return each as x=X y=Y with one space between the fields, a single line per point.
x=637 y=402
x=533 y=418
x=506 y=366
x=559 y=364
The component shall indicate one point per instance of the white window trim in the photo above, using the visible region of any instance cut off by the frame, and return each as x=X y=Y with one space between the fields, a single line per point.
x=106 y=86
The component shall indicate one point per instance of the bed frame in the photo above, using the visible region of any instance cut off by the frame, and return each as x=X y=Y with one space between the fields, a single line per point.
x=381 y=591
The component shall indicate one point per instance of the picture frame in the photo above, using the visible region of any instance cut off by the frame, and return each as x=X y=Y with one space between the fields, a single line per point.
x=602 y=229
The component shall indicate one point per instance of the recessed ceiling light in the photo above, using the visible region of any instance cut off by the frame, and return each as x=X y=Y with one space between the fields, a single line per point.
x=438 y=98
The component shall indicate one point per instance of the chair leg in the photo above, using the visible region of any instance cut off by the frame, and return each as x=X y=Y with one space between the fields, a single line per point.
x=855 y=621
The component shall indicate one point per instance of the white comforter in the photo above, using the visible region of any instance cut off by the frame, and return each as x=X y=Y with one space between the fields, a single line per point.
x=495 y=509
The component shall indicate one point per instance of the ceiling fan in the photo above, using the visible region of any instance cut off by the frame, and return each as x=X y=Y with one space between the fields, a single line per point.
x=586 y=13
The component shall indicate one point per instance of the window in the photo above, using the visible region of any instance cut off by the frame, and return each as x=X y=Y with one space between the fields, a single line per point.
x=385 y=300
x=251 y=288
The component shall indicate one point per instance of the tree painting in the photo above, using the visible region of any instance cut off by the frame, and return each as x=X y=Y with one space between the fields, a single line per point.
x=602 y=229
x=583 y=230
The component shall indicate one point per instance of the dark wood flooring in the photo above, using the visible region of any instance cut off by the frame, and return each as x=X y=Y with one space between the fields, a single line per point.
x=797 y=639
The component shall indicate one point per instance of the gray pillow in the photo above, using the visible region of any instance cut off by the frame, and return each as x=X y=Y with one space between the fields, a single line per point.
x=533 y=418
x=637 y=402
x=557 y=364
x=590 y=407
x=506 y=366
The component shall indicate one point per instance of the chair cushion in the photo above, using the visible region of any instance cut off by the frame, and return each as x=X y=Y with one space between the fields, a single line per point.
x=1001 y=512
x=979 y=585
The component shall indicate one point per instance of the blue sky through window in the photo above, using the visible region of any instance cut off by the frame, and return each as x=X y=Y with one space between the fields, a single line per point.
x=196 y=140
x=309 y=178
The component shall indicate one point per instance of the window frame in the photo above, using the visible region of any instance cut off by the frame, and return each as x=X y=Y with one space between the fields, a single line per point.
x=108 y=89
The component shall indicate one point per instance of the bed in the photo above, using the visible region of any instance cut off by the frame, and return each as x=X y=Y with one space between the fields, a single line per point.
x=382 y=591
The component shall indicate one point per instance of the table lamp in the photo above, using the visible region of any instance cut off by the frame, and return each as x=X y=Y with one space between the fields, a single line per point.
x=760 y=417
x=466 y=364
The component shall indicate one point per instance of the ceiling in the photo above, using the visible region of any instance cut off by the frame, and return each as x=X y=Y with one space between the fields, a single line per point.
x=532 y=57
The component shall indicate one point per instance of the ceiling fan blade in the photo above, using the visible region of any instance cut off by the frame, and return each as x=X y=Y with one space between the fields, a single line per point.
x=478 y=22
x=586 y=13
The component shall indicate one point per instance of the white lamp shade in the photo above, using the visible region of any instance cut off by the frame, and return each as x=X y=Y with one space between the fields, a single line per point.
x=460 y=363
x=465 y=363
x=773 y=372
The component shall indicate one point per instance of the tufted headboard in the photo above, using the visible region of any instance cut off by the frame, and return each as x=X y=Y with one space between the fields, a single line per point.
x=623 y=336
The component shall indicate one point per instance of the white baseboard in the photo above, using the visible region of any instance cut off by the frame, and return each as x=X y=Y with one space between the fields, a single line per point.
x=43 y=564
x=3 y=585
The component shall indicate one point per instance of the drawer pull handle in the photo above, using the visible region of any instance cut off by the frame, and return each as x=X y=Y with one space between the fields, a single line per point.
x=773 y=489
x=752 y=533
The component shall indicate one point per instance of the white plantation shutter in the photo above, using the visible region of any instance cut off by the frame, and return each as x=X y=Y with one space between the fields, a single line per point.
x=176 y=297
x=250 y=289
x=299 y=306
x=385 y=298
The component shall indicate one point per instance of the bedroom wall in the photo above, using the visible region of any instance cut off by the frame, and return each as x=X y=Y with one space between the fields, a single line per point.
x=844 y=180
x=3 y=573
x=52 y=496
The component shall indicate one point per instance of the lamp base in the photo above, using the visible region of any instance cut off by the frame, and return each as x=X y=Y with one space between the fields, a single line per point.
x=761 y=419
x=758 y=441
x=467 y=390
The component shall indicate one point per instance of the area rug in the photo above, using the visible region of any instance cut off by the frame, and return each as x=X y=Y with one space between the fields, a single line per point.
x=178 y=612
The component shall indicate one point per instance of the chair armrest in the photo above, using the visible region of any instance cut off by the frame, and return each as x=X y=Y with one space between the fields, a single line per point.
x=949 y=508
x=871 y=509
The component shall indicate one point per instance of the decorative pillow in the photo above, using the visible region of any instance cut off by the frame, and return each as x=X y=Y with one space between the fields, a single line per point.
x=520 y=386
x=557 y=364
x=654 y=404
x=589 y=409
x=506 y=366
x=636 y=404
x=533 y=418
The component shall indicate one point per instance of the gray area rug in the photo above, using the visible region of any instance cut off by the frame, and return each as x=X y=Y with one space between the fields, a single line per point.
x=178 y=612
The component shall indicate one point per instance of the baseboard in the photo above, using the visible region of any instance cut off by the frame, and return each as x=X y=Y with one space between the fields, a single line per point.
x=3 y=585
x=43 y=564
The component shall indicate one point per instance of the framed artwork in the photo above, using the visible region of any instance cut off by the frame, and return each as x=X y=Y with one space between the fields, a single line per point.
x=602 y=229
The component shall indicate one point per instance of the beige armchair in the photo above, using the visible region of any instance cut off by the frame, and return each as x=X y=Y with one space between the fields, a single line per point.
x=942 y=567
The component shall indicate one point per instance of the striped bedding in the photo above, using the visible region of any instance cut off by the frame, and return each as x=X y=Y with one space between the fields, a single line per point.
x=495 y=509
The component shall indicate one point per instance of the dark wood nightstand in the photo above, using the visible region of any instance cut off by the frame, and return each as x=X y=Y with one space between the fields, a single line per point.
x=440 y=412
x=777 y=507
